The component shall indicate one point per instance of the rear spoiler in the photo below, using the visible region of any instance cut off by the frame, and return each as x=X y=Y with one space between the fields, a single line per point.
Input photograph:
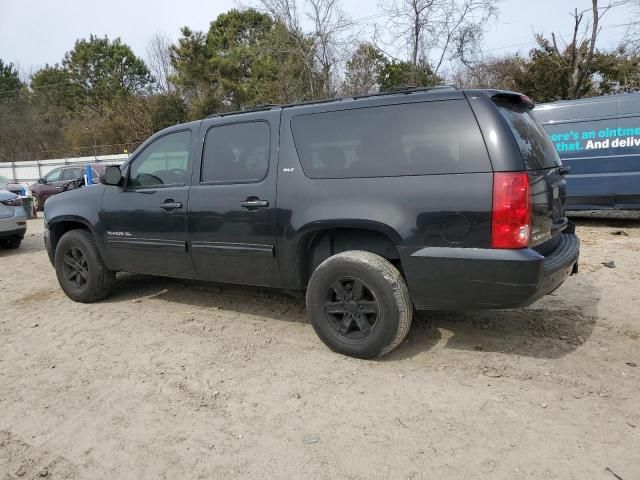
x=515 y=98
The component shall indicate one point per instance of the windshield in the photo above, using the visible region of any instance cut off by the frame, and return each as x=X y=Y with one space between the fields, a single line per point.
x=538 y=152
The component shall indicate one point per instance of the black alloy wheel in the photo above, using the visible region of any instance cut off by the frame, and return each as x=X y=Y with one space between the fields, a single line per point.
x=351 y=308
x=75 y=268
x=359 y=304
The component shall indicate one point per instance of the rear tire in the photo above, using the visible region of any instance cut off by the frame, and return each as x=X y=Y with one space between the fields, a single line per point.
x=10 y=243
x=359 y=304
x=82 y=274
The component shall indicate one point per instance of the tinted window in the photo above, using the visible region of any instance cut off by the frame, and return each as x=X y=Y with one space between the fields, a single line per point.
x=53 y=176
x=236 y=153
x=408 y=139
x=163 y=162
x=535 y=145
x=71 y=173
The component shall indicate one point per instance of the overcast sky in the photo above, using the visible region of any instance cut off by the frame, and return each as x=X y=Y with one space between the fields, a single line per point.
x=35 y=32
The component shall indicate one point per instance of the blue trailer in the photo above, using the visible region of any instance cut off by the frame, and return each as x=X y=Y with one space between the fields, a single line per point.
x=599 y=140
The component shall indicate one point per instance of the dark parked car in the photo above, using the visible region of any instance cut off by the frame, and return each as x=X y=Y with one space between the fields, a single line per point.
x=434 y=199
x=599 y=140
x=59 y=179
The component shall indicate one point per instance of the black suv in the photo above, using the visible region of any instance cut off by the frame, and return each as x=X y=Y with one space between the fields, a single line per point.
x=425 y=198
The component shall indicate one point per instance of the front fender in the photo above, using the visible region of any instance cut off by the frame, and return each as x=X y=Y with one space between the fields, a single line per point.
x=75 y=207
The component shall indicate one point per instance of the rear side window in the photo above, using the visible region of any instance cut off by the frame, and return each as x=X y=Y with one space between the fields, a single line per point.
x=236 y=153
x=407 y=139
x=71 y=173
x=537 y=150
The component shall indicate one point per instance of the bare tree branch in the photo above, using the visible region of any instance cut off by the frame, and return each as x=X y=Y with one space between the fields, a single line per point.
x=438 y=31
x=159 y=61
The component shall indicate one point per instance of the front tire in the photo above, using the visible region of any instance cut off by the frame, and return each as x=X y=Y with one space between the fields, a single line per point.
x=81 y=273
x=359 y=304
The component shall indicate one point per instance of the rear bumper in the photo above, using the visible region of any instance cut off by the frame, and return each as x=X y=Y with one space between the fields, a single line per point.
x=15 y=233
x=472 y=278
x=14 y=226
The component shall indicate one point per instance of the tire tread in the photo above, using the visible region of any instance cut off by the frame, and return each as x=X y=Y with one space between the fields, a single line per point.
x=378 y=264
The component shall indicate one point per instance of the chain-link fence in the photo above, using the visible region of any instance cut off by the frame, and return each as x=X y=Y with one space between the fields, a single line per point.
x=31 y=171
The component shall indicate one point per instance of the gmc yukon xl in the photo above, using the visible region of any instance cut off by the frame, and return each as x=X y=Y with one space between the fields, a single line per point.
x=375 y=206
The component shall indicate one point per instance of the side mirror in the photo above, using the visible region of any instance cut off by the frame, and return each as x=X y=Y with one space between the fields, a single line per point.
x=111 y=176
x=41 y=181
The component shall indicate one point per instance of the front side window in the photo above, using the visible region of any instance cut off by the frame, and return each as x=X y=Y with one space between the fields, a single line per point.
x=236 y=153
x=163 y=162
x=53 y=176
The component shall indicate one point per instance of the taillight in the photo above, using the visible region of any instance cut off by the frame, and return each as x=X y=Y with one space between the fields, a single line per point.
x=14 y=202
x=511 y=217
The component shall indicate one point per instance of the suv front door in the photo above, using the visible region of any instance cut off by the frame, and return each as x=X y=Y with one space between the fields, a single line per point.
x=145 y=222
x=232 y=201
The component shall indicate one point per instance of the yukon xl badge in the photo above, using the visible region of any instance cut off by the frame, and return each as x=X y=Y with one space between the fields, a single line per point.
x=119 y=234
x=540 y=236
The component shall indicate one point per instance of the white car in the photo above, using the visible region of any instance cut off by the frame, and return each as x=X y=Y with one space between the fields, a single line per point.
x=13 y=219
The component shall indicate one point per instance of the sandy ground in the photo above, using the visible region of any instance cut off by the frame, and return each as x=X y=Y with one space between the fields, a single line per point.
x=173 y=379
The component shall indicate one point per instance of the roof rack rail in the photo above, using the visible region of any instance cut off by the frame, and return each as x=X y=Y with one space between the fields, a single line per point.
x=406 y=90
x=257 y=108
x=397 y=91
x=403 y=90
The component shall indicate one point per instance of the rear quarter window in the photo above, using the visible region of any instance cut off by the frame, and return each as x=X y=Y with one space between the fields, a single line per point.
x=424 y=138
x=538 y=152
x=71 y=173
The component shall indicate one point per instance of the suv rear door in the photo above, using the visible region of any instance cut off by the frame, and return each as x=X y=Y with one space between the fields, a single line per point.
x=541 y=160
x=232 y=201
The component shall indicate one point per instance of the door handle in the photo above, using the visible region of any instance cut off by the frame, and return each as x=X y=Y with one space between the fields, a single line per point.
x=59 y=189
x=252 y=203
x=170 y=205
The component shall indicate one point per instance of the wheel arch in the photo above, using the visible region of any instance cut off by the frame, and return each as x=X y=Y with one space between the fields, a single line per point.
x=322 y=240
x=63 y=224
